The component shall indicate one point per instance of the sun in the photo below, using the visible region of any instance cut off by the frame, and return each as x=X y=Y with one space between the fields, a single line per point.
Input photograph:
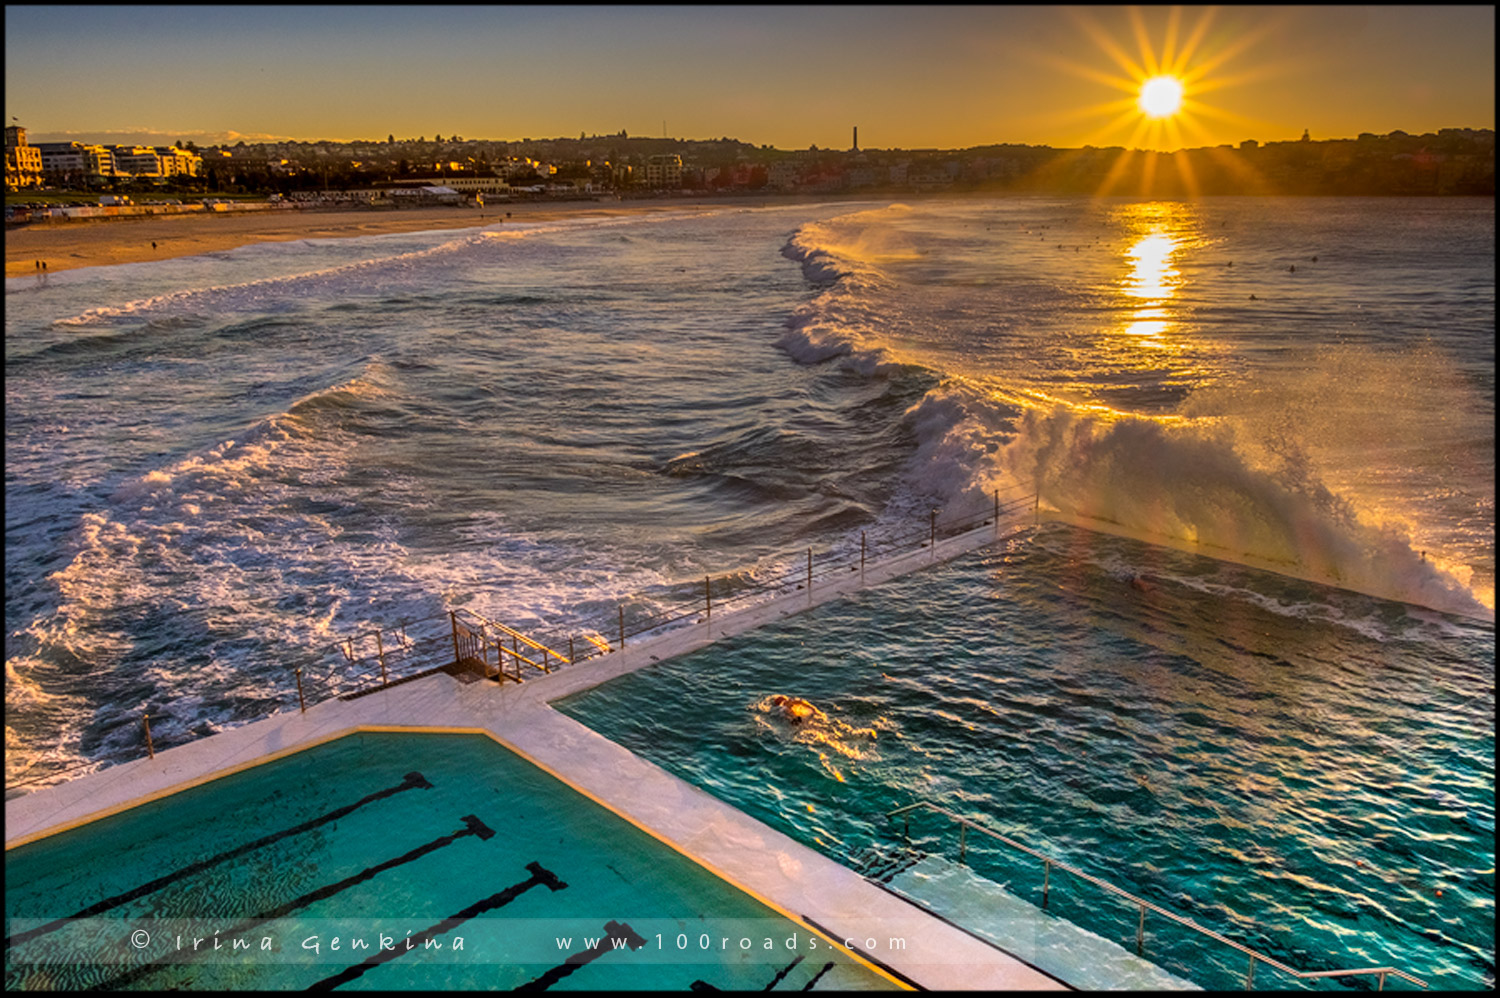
x=1161 y=97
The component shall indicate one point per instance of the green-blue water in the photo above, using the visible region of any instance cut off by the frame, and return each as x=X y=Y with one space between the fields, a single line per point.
x=1301 y=769
x=612 y=872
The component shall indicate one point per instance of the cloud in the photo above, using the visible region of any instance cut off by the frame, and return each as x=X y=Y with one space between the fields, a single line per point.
x=154 y=137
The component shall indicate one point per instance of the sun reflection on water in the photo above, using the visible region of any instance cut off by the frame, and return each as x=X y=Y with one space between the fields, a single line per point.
x=1152 y=280
x=1151 y=256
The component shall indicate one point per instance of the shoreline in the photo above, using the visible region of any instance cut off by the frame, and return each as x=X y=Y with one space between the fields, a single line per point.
x=69 y=245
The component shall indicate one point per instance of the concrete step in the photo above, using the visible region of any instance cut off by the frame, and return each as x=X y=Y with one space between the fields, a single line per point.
x=1059 y=947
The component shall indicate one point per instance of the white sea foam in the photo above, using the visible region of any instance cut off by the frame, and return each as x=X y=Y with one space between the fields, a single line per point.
x=1187 y=484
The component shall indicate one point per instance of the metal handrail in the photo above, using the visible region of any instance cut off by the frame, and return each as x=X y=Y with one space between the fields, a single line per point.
x=382 y=671
x=1143 y=904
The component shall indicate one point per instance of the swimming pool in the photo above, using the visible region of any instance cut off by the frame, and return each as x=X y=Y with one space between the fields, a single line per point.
x=363 y=862
x=1309 y=772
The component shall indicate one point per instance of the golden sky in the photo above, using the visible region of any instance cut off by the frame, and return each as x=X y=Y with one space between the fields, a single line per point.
x=790 y=77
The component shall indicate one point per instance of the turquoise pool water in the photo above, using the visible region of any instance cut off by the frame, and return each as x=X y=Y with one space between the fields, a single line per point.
x=1305 y=770
x=321 y=866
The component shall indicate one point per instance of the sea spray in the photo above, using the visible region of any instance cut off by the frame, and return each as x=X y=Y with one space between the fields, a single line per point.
x=1189 y=484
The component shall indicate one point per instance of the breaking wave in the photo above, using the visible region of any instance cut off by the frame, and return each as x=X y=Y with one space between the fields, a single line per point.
x=1207 y=478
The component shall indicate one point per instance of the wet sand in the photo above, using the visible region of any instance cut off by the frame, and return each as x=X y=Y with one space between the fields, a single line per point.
x=65 y=245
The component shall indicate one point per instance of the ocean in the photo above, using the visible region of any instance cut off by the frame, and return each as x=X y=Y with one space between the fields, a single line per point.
x=218 y=467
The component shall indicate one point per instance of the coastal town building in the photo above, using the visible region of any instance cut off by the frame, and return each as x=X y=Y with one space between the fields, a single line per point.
x=664 y=172
x=138 y=161
x=68 y=161
x=178 y=162
x=468 y=184
x=1450 y=161
x=158 y=161
x=784 y=175
x=23 y=162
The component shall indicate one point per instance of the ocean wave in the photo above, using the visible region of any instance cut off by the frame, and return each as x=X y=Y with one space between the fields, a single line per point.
x=1191 y=484
x=209 y=545
x=261 y=293
x=254 y=294
x=1268 y=472
x=850 y=245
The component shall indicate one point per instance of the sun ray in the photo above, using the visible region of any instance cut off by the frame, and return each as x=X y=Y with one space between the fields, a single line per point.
x=1169 y=43
x=1115 y=172
x=1088 y=72
x=1108 y=44
x=1123 y=110
x=1143 y=41
x=1212 y=62
x=1194 y=40
x=1249 y=180
x=1231 y=118
x=1189 y=178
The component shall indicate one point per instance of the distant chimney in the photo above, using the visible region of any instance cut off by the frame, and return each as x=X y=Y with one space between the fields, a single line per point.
x=856 y=138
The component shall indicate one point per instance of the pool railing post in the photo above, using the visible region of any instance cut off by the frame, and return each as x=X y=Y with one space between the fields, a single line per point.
x=809 y=576
x=963 y=831
x=380 y=652
x=622 y=627
x=301 y=700
x=571 y=657
x=933 y=539
x=861 y=557
x=146 y=721
x=1046 y=880
x=453 y=619
x=708 y=600
x=1250 y=974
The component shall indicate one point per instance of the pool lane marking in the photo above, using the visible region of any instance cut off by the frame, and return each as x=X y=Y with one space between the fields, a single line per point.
x=615 y=934
x=816 y=977
x=890 y=972
x=784 y=971
x=411 y=781
x=472 y=826
x=869 y=962
x=310 y=742
x=859 y=957
x=540 y=877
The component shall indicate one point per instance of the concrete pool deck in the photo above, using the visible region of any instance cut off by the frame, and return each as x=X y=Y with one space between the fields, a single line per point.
x=772 y=867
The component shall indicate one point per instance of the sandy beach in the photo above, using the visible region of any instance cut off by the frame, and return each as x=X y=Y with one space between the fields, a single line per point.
x=65 y=245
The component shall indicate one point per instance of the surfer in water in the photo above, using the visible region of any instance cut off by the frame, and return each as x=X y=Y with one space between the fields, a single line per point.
x=794 y=709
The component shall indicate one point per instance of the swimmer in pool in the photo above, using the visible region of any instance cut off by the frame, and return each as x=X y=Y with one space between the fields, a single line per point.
x=794 y=709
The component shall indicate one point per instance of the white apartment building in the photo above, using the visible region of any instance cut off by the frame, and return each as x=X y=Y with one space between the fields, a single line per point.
x=76 y=159
x=470 y=185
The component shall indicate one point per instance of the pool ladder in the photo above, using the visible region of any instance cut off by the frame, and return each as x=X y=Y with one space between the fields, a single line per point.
x=475 y=637
x=1049 y=863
